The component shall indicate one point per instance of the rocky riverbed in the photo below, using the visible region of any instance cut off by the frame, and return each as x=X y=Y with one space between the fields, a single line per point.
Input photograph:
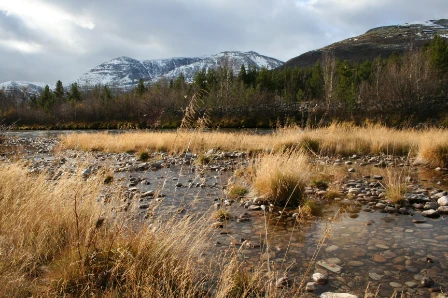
x=364 y=243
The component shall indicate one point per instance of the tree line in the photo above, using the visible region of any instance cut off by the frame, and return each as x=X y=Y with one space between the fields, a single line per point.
x=389 y=90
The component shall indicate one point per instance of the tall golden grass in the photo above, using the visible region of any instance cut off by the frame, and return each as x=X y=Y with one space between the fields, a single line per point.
x=57 y=239
x=429 y=146
x=281 y=178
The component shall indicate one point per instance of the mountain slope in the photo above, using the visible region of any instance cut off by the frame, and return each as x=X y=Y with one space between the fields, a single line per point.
x=25 y=87
x=377 y=42
x=125 y=72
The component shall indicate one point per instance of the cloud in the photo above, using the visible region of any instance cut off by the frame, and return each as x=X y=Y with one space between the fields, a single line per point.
x=47 y=40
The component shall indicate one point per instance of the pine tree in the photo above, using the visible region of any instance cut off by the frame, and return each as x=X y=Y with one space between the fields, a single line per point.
x=74 y=94
x=106 y=96
x=200 y=79
x=46 y=99
x=242 y=76
x=59 y=91
x=438 y=54
x=141 y=88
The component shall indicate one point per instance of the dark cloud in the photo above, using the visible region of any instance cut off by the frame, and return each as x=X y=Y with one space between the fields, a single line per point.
x=160 y=28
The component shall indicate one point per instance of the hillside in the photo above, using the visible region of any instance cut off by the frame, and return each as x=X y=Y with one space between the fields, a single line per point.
x=378 y=42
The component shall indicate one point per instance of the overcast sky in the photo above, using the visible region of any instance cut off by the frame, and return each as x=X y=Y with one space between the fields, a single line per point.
x=47 y=40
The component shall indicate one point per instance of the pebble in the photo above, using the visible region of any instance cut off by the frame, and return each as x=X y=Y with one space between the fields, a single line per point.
x=311 y=287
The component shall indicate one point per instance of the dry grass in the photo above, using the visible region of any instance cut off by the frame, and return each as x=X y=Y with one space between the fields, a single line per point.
x=429 y=145
x=281 y=178
x=56 y=239
x=395 y=186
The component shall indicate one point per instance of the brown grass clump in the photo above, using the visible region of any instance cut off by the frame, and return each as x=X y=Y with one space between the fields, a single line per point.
x=237 y=191
x=395 y=186
x=281 y=178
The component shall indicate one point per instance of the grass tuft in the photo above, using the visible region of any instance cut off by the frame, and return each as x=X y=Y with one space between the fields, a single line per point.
x=281 y=178
x=237 y=191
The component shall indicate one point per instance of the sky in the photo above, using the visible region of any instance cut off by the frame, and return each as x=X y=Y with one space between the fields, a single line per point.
x=50 y=40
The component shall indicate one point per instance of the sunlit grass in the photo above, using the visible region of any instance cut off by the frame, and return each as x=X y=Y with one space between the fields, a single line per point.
x=429 y=145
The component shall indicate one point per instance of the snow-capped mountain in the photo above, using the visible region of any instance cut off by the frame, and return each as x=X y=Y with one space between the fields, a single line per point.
x=125 y=72
x=24 y=87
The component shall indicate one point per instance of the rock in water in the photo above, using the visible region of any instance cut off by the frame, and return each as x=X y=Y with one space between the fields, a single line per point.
x=320 y=278
x=310 y=287
x=283 y=282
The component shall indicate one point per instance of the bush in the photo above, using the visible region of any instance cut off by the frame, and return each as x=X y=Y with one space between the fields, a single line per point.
x=143 y=155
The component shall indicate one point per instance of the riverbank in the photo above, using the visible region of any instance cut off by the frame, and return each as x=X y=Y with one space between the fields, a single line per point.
x=118 y=223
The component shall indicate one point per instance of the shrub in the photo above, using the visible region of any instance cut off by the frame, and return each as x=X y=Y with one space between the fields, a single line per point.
x=143 y=155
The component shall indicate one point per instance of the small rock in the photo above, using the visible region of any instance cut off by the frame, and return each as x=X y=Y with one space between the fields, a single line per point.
x=395 y=284
x=443 y=201
x=311 y=287
x=283 y=282
x=431 y=213
x=427 y=282
x=379 y=258
x=320 y=278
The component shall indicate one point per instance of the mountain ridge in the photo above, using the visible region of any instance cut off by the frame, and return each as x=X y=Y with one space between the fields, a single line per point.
x=381 y=42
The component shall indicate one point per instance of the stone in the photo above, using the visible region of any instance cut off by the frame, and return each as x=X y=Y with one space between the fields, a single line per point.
x=282 y=282
x=157 y=165
x=377 y=177
x=427 y=282
x=430 y=205
x=254 y=207
x=379 y=258
x=443 y=201
x=337 y=295
x=443 y=209
x=375 y=276
x=217 y=225
x=395 y=284
x=411 y=284
x=355 y=264
x=329 y=266
x=331 y=248
x=86 y=173
x=431 y=213
x=311 y=287
x=320 y=278
x=351 y=170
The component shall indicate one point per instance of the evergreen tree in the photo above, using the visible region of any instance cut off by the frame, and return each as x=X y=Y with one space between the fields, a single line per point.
x=438 y=54
x=242 y=75
x=74 y=94
x=106 y=96
x=345 y=90
x=141 y=88
x=46 y=99
x=200 y=79
x=179 y=83
x=316 y=82
x=59 y=91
